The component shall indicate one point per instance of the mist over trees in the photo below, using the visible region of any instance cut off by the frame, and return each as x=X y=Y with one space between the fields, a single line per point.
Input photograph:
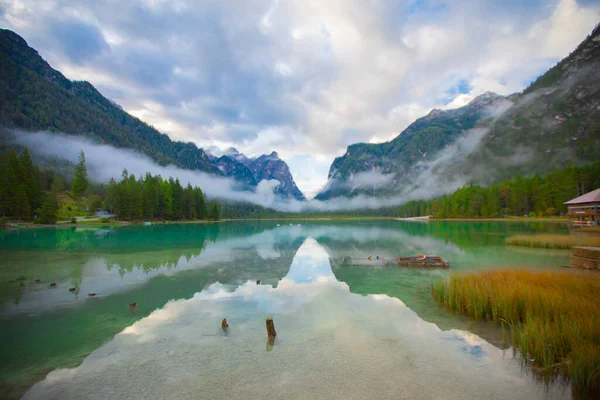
x=27 y=193
x=533 y=196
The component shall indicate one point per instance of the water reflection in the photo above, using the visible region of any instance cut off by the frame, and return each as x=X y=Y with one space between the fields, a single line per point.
x=330 y=344
x=317 y=303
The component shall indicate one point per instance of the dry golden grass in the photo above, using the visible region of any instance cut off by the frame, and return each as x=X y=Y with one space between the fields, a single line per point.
x=553 y=241
x=554 y=317
x=589 y=229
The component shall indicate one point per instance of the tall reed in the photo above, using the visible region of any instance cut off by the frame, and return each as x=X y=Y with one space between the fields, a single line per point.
x=553 y=241
x=554 y=317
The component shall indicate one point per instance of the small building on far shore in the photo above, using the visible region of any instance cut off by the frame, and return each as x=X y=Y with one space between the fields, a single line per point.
x=585 y=210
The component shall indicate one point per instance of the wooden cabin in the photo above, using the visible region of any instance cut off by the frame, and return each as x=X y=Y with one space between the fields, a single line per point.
x=585 y=210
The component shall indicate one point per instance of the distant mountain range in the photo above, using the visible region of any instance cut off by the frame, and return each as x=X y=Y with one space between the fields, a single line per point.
x=555 y=122
x=34 y=96
x=254 y=170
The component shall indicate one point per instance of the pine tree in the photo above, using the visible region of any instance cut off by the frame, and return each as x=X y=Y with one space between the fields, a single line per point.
x=80 y=182
x=201 y=211
x=190 y=202
x=9 y=184
x=58 y=186
x=177 y=199
x=165 y=201
x=22 y=210
x=213 y=211
x=49 y=210
x=111 y=196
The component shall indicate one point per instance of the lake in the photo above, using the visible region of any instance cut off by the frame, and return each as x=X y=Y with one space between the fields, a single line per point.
x=342 y=331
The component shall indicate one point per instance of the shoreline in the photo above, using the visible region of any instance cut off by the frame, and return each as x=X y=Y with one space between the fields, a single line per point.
x=66 y=224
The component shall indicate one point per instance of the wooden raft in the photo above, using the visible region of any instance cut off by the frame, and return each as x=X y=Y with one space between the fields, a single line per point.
x=420 y=262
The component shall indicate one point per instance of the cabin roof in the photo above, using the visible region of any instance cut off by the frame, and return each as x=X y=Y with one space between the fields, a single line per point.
x=591 y=197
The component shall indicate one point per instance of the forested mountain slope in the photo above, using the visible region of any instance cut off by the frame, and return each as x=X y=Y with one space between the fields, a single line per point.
x=34 y=96
x=553 y=123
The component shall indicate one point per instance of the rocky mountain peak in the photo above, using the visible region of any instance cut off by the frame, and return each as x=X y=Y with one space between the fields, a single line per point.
x=254 y=170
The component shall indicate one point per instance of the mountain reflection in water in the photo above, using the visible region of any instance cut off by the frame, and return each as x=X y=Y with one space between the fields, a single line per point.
x=342 y=331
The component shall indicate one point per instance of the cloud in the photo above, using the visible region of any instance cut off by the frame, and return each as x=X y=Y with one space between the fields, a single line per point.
x=297 y=76
x=105 y=162
x=80 y=41
x=369 y=179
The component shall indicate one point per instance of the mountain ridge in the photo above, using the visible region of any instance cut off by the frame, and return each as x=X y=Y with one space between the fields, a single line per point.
x=553 y=123
x=34 y=96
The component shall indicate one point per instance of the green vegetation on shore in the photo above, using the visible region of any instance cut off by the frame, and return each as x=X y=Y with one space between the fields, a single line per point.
x=536 y=196
x=24 y=189
x=554 y=317
x=552 y=241
x=29 y=194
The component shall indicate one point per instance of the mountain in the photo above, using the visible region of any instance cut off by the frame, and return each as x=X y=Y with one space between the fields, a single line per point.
x=272 y=167
x=254 y=170
x=34 y=96
x=553 y=123
x=419 y=142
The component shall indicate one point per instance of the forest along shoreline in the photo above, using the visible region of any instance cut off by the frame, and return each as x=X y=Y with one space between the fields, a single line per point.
x=93 y=221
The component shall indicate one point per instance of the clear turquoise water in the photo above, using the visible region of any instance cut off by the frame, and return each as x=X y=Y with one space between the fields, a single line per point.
x=343 y=332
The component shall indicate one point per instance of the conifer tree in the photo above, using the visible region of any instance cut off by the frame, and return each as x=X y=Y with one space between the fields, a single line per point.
x=190 y=202
x=201 y=211
x=80 y=182
x=177 y=199
x=213 y=211
x=49 y=210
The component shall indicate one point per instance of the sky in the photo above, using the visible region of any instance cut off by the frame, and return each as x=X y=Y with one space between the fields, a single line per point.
x=301 y=77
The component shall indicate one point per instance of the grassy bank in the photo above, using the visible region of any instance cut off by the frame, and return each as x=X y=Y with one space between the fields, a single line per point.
x=507 y=219
x=553 y=241
x=589 y=229
x=554 y=317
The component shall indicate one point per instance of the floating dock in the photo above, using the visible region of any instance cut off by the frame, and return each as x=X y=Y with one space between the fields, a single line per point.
x=429 y=262
x=422 y=261
x=585 y=258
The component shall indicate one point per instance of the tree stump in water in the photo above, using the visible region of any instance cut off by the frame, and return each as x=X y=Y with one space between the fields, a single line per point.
x=271 y=328
x=224 y=325
x=258 y=281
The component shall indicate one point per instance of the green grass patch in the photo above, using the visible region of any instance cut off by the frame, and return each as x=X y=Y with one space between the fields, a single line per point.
x=552 y=241
x=67 y=207
x=554 y=318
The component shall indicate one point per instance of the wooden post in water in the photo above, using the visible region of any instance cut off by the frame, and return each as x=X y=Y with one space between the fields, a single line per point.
x=271 y=328
x=270 y=334
x=224 y=325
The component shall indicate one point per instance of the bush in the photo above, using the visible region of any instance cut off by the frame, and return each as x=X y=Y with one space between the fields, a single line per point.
x=532 y=215
x=73 y=220
x=104 y=220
